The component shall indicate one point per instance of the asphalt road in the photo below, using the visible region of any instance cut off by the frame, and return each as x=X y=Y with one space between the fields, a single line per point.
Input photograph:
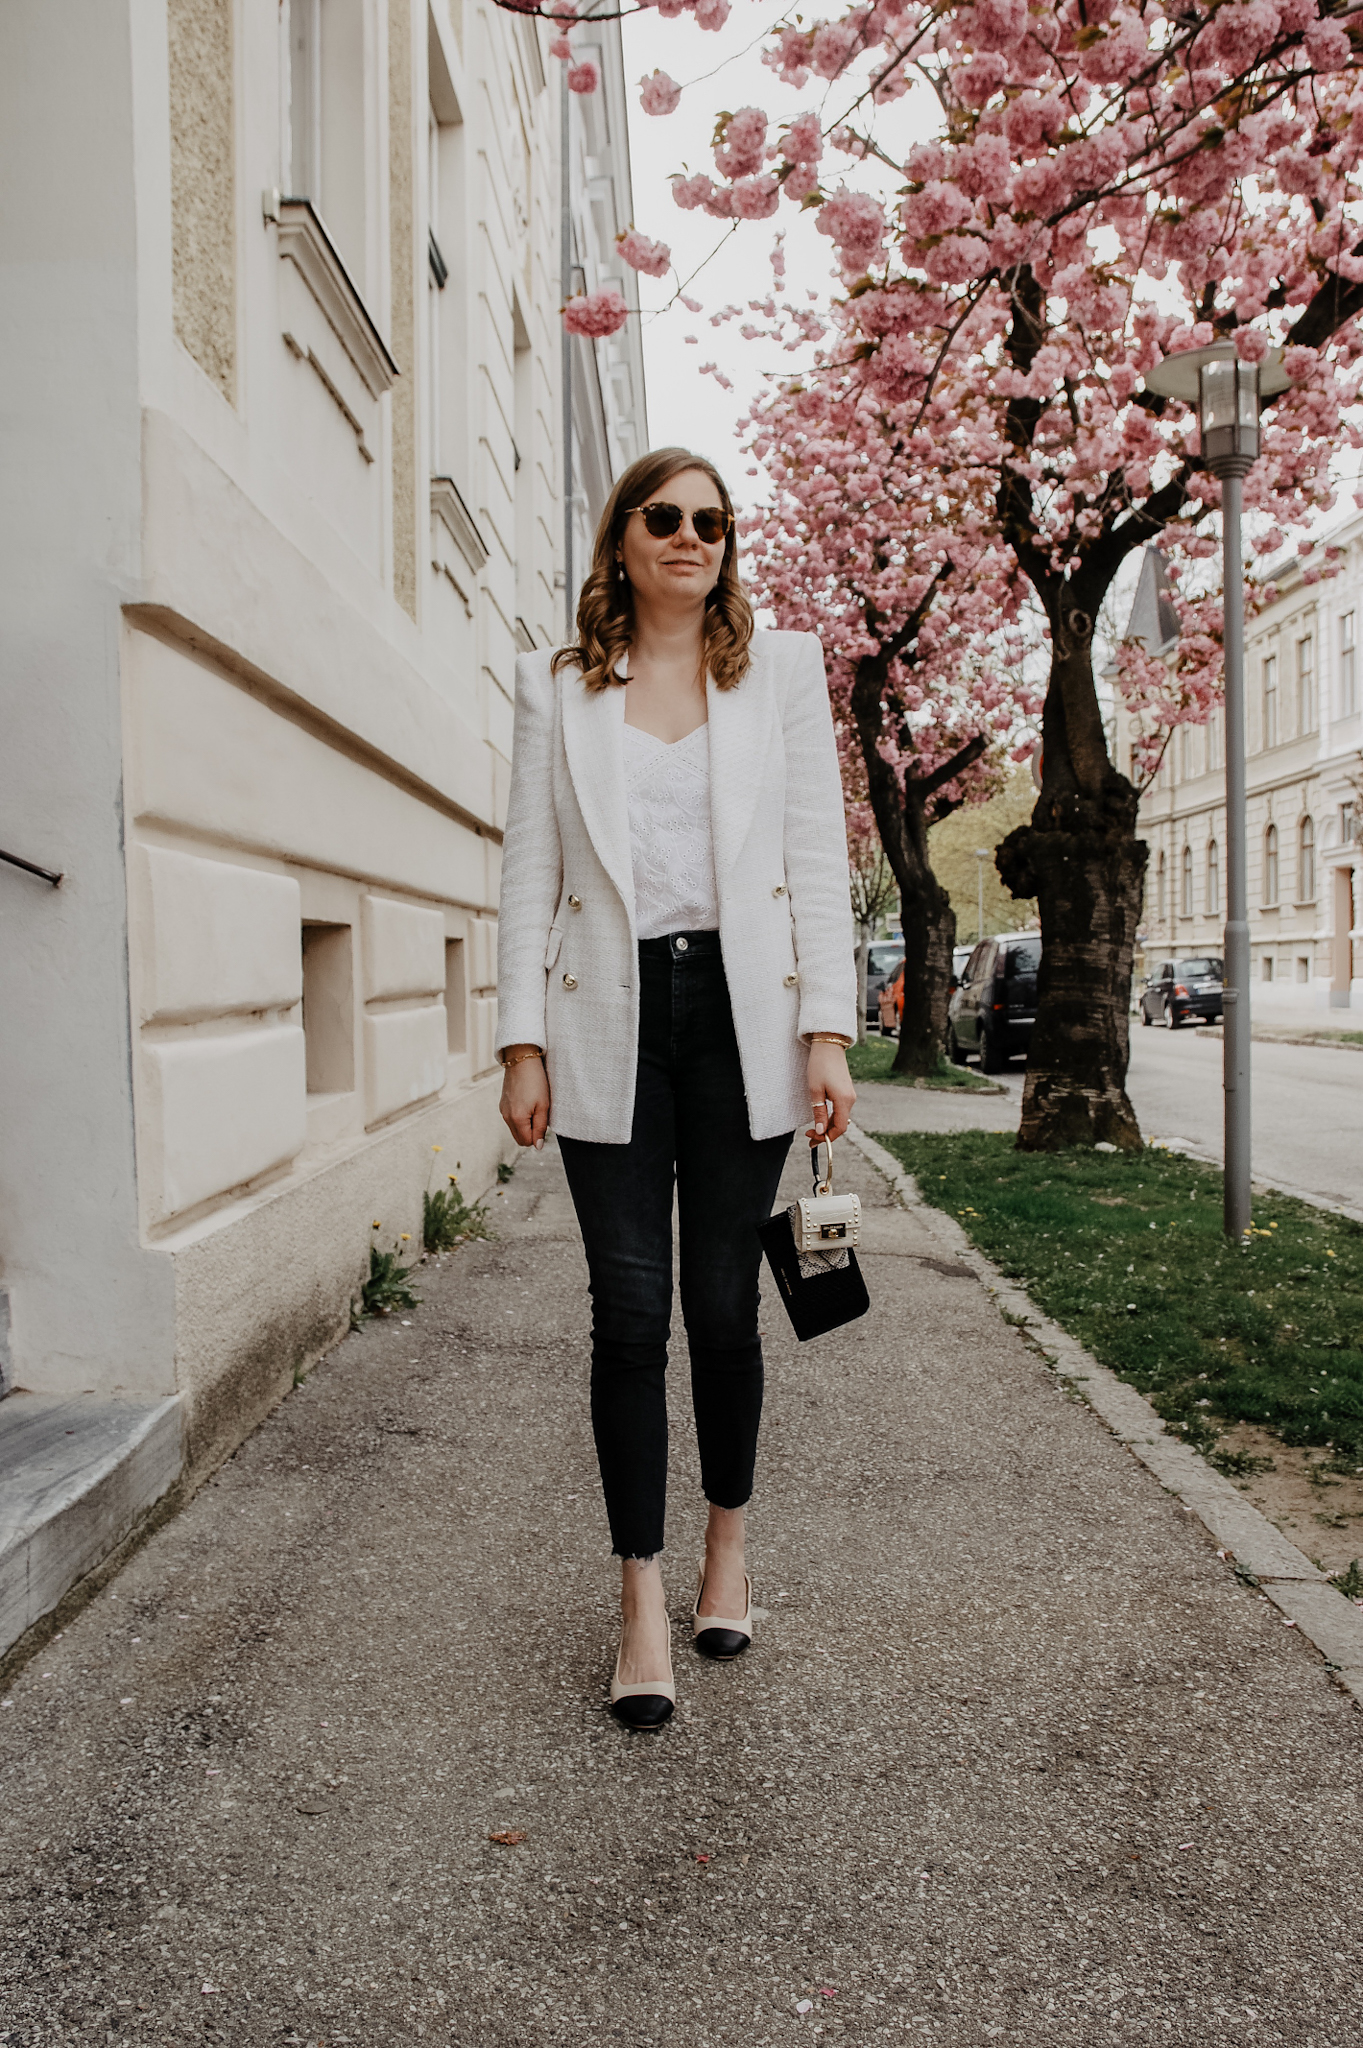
x=1307 y=1113
x=1014 y=1757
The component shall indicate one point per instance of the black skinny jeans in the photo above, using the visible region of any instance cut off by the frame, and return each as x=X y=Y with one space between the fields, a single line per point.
x=690 y=1127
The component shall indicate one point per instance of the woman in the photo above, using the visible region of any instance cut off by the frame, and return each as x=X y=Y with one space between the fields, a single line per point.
x=676 y=984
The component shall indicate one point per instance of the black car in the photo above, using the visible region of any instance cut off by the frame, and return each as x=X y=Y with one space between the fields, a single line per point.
x=994 y=1008
x=1184 y=989
x=882 y=958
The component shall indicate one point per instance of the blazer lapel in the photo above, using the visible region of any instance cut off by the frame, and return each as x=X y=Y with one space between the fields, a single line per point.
x=592 y=726
x=740 y=734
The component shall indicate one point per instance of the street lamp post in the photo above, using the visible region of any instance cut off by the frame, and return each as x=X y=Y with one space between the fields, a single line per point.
x=982 y=854
x=1227 y=393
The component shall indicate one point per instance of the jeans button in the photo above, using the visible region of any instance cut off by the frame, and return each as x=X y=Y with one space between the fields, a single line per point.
x=681 y=945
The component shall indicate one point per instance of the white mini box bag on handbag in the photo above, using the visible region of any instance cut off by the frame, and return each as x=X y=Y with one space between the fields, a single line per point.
x=825 y=1226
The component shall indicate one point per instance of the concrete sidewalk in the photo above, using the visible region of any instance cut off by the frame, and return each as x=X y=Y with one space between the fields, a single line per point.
x=1014 y=1757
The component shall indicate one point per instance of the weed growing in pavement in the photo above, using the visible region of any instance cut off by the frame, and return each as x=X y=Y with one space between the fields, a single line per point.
x=505 y=1169
x=1126 y=1251
x=1350 y=1583
x=872 y=1061
x=446 y=1218
x=387 y=1288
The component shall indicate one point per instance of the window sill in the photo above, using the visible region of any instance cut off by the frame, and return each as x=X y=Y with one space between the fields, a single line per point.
x=304 y=242
x=449 y=508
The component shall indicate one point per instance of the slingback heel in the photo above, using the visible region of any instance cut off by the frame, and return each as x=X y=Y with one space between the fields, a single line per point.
x=648 y=1705
x=720 y=1636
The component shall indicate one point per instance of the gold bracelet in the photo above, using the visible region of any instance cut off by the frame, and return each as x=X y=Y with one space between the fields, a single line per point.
x=517 y=1057
x=829 y=1038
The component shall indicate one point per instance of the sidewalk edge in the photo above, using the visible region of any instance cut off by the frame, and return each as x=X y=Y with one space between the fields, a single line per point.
x=1260 y=1554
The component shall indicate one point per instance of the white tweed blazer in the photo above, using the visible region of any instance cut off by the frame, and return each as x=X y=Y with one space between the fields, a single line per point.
x=568 y=969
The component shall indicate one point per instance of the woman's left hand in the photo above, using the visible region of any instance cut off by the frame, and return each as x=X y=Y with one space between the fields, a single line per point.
x=831 y=1094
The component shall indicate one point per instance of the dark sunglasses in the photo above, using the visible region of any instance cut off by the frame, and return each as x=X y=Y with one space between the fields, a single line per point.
x=711 y=523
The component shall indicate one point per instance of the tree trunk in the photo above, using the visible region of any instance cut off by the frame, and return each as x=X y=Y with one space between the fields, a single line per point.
x=863 y=961
x=900 y=807
x=929 y=926
x=1081 y=859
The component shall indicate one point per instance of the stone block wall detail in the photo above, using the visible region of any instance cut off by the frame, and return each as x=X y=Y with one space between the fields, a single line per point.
x=203 y=185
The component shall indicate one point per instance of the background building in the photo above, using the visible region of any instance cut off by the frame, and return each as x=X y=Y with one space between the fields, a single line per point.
x=1304 y=700
x=282 y=497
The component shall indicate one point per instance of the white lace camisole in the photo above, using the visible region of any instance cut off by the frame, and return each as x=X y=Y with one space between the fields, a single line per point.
x=667 y=790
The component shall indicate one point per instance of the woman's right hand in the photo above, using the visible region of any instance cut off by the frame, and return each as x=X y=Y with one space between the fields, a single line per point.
x=525 y=1098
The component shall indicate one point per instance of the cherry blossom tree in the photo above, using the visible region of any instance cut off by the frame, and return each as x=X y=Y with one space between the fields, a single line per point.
x=1108 y=181
x=917 y=606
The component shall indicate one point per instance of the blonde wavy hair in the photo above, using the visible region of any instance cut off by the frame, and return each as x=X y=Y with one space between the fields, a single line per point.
x=605 y=609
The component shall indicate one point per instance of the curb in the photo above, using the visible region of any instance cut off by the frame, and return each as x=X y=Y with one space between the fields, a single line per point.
x=1260 y=1554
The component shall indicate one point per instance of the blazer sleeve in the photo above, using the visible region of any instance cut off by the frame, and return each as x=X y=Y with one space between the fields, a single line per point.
x=532 y=862
x=816 y=850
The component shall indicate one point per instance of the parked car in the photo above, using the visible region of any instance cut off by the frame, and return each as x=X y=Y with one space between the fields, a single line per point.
x=1181 y=989
x=994 y=1007
x=882 y=958
x=891 y=1000
x=892 y=994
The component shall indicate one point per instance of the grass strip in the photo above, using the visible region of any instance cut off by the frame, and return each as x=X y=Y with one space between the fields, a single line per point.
x=1127 y=1253
x=872 y=1060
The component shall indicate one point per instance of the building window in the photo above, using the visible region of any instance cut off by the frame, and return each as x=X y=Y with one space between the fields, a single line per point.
x=1213 y=878
x=447 y=351
x=1306 y=861
x=1185 y=753
x=1159 y=889
x=1306 y=684
x=1266 y=970
x=1271 y=865
x=1187 y=882
x=1270 y=674
x=1348 y=675
x=1303 y=968
x=327 y=157
x=1214 y=747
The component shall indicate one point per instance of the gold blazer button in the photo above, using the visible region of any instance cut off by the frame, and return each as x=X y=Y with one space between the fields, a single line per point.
x=574 y=903
x=791 y=980
x=779 y=890
x=570 y=981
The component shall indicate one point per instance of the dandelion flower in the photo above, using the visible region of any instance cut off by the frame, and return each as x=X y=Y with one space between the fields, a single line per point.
x=406 y=1236
x=377 y=1224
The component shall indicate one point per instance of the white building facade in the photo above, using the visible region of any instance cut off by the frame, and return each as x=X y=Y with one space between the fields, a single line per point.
x=282 y=497
x=1304 y=704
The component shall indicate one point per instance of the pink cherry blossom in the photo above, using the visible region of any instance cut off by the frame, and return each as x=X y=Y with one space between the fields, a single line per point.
x=597 y=313
x=584 y=77
x=741 y=152
x=653 y=258
x=659 y=94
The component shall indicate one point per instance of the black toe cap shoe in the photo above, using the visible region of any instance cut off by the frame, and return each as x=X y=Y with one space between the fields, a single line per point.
x=643 y=1710
x=722 y=1644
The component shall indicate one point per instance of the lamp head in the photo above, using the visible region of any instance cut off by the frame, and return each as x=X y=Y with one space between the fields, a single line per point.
x=1226 y=392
